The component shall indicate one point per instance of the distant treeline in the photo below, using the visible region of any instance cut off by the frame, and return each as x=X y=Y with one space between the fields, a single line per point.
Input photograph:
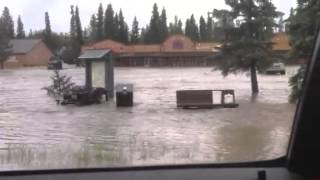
x=109 y=24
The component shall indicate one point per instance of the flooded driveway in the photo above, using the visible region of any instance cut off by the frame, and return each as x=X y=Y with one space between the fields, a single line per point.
x=36 y=133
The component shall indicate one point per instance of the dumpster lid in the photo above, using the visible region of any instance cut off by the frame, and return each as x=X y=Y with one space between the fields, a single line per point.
x=121 y=87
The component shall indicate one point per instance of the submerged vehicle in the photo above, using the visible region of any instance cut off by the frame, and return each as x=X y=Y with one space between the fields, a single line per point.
x=277 y=68
x=55 y=63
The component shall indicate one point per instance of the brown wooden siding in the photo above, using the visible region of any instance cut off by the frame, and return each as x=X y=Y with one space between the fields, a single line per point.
x=38 y=56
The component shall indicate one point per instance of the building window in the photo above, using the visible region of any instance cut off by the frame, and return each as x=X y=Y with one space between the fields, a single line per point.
x=177 y=44
x=12 y=59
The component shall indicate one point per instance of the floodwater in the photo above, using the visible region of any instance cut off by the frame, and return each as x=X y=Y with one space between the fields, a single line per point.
x=35 y=133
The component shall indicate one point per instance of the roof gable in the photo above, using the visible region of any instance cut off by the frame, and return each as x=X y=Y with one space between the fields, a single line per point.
x=281 y=42
x=23 y=46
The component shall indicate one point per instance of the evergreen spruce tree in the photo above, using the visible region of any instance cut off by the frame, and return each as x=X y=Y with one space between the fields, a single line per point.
x=74 y=46
x=123 y=29
x=179 y=27
x=73 y=28
x=248 y=46
x=4 y=43
x=116 y=28
x=86 y=35
x=79 y=35
x=126 y=34
x=53 y=40
x=99 y=27
x=223 y=25
x=20 y=30
x=154 y=30
x=176 y=26
x=47 y=34
x=134 y=35
x=143 y=34
x=93 y=29
x=303 y=24
x=209 y=28
x=109 y=25
x=187 y=30
x=203 y=30
x=163 y=25
x=48 y=30
x=192 y=30
x=7 y=23
x=195 y=29
x=288 y=21
x=61 y=84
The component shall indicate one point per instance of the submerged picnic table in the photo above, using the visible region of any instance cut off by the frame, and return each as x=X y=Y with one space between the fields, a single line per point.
x=206 y=99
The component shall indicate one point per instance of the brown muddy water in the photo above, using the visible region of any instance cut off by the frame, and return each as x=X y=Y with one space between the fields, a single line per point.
x=35 y=133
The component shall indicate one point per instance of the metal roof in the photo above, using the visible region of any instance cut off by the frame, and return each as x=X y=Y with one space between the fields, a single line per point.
x=94 y=54
x=22 y=46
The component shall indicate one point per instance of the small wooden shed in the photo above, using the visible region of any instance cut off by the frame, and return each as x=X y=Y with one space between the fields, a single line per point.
x=99 y=69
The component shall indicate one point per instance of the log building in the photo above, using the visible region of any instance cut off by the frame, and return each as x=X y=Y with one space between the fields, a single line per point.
x=176 y=50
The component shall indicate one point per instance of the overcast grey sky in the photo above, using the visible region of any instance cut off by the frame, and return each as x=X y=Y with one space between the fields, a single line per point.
x=32 y=11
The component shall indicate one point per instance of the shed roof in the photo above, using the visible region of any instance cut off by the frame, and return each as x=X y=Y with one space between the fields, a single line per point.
x=281 y=42
x=23 y=46
x=94 y=54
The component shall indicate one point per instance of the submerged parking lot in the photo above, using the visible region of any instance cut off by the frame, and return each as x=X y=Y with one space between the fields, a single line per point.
x=36 y=133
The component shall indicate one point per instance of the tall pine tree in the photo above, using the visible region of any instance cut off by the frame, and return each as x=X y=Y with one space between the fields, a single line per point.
x=78 y=26
x=93 y=29
x=99 y=27
x=223 y=25
x=109 y=25
x=153 y=32
x=187 y=29
x=20 y=30
x=47 y=33
x=176 y=27
x=48 y=30
x=143 y=34
x=179 y=27
x=163 y=25
x=134 y=35
x=4 y=42
x=191 y=29
x=248 y=46
x=203 y=30
x=210 y=28
x=303 y=24
x=7 y=23
x=75 y=47
x=116 y=28
x=73 y=29
x=86 y=35
x=123 y=29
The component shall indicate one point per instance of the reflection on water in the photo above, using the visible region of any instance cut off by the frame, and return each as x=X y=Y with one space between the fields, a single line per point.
x=36 y=133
